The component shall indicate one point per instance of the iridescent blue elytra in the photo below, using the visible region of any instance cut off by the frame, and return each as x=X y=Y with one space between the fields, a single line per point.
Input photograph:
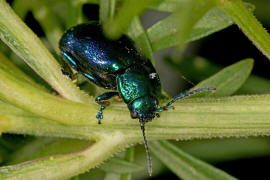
x=117 y=65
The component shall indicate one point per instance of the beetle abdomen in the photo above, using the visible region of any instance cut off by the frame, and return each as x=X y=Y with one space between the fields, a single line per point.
x=91 y=51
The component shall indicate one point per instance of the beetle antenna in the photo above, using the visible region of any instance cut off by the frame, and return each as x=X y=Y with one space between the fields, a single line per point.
x=185 y=94
x=149 y=162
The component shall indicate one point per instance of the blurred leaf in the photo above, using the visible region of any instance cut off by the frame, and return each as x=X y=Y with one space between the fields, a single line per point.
x=184 y=165
x=5 y=62
x=75 y=178
x=43 y=13
x=129 y=156
x=262 y=10
x=219 y=150
x=90 y=1
x=120 y=166
x=137 y=33
x=197 y=69
x=255 y=85
x=116 y=26
x=6 y=145
x=194 y=68
x=229 y=79
x=169 y=5
x=64 y=166
x=21 y=7
x=106 y=9
x=176 y=28
x=111 y=176
x=42 y=147
x=75 y=14
x=164 y=33
x=215 y=20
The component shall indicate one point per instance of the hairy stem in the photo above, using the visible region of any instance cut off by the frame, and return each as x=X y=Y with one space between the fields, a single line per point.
x=26 y=44
x=65 y=166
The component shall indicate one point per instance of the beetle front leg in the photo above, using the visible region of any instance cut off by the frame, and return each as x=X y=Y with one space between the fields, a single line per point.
x=101 y=100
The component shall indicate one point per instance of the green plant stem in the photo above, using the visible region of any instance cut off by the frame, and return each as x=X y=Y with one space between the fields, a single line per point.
x=28 y=97
x=248 y=23
x=201 y=117
x=26 y=45
x=66 y=166
x=184 y=165
x=192 y=118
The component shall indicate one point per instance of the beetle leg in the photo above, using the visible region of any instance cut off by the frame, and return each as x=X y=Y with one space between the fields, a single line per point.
x=101 y=100
x=66 y=70
x=92 y=79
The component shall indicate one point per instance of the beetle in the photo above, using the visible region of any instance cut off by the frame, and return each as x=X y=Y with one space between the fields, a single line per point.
x=117 y=65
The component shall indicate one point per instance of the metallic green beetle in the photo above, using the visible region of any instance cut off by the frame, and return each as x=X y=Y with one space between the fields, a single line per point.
x=117 y=65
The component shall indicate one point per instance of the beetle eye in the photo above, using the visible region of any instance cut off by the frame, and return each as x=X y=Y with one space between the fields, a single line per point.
x=134 y=115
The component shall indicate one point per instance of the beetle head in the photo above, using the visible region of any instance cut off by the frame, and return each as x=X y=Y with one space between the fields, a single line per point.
x=143 y=108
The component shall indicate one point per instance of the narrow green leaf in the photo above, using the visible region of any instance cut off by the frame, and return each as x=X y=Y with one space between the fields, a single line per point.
x=75 y=178
x=111 y=176
x=129 y=156
x=120 y=166
x=75 y=14
x=197 y=69
x=26 y=45
x=213 y=21
x=116 y=26
x=106 y=9
x=65 y=166
x=42 y=147
x=255 y=85
x=248 y=23
x=184 y=165
x=21 y=7
x=169 y=5
x=90 y=1
x=230 y=79
x=138 y=34
x=5 y=62
x=176 y=28
x=220 y=150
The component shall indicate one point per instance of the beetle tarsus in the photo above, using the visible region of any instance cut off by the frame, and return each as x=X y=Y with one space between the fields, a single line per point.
x=99 y=115
x=102 y=100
